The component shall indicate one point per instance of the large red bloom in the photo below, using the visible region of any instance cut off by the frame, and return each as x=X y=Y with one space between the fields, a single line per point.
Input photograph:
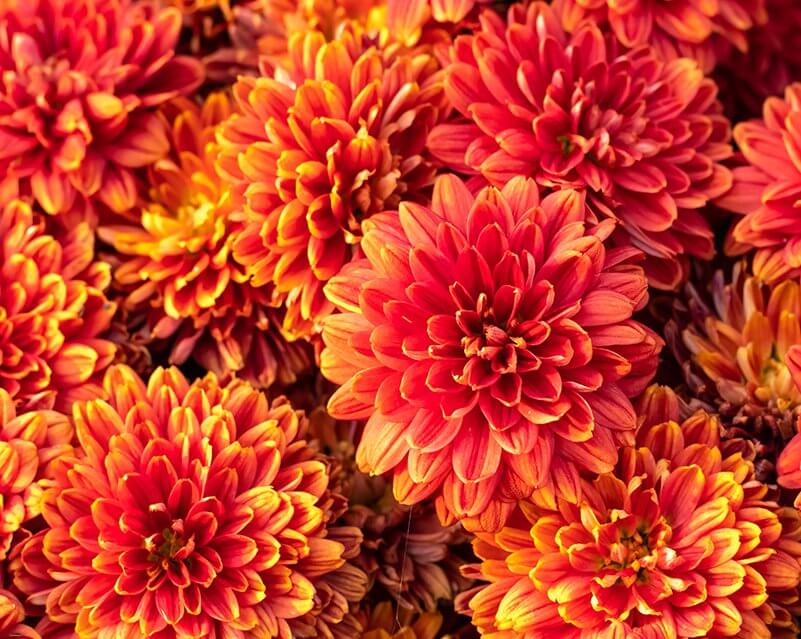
x=80 y=80
x=680 y=541
x=490 y=342
x=188 y=510
x=341 y=139
x=52 y=309
x=642 y=136
x=767 y=189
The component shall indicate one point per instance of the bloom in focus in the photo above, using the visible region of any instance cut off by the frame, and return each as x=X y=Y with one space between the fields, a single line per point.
x=80 y=80
x=188 y=510
x=767 y=189
x=490 y=343
x=318 y=155
x=53 y=309
x=705 y=31
x=29 y=441
x=678 y=542
x=743 y=357
x=178 y=266
x=644 y=137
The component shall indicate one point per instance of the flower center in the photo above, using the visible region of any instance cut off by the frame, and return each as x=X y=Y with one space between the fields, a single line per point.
x=169 y=546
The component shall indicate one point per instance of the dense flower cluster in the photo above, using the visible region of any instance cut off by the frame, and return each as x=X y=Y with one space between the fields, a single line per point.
x=400 y=319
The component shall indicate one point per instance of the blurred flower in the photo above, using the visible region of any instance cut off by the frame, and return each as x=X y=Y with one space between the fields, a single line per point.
x=80 y=81
x=490 y=343
x=644 y=137
x=52 y=309
x=12 y=618
x=29 y=441
x=188 y=510
x=383 y=622
x=705 y=31
x=343 y=145
x=406 y=18
x=181 y=272
x=743 y=358
x=767 y=189
x=678 y=542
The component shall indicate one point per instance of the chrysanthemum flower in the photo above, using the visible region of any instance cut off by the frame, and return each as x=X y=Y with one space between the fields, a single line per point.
x=80 y=80
x=178 y=265
x=743 y=357
x=188 y=510
x=489 y=340
x=52 y=309
x=767 y=189
x=342 y=140
x=705 y=31
x=644 y=137
x=29 y=441
x=12 y=617
x=678 y=542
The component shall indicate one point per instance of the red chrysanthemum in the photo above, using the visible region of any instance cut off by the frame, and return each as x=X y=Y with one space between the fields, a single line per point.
x=29 y=441
x=52 y=309
x=490 y=342
x=767 y=189
x=177 y=266
x=12 y=617
x=644 y=137
x=316 y=160
x=678 y=542
x=188 y=510
x=699 y=29
x=80 y=80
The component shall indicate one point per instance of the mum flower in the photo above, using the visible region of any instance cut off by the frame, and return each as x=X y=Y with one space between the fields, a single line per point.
x=177 y=265
x=678 y=542
x=490 y=343
x=188 y=510
x=341 y=140
x=52 y=309
x=29 y=441
x=644 y=137
x=742 y=354
x=12 y=617
x=80 y=80
x=705 y=31
x=767 y=189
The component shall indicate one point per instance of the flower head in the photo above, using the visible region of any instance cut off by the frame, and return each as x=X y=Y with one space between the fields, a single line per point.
x=490 y=343
x=80 y=80
x=178 y=266
x=678 y=542
x=644 y=137
x=767 y=189
x=705 y=31
x=52 y=309
x=188 y=510
x=316 y=155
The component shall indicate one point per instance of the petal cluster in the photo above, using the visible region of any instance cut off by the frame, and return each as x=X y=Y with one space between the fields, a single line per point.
x=80 y=80
x=344 y=139
x=642 y=135
x=489 y=342
x=679 y=541
x=187 y=510
x=53 y=309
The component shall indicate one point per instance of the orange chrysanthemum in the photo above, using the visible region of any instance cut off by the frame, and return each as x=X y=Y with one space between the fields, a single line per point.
x=490 y=343
x=316 y=160
x=767 y=189
x=188 y=510
x=705 y=31
x=642 y=136
x=12 y=617
x=80 y=80
x=29 y=441
x=52 y=309
x=744 y=358
x=678 y=542
x=181 y=270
